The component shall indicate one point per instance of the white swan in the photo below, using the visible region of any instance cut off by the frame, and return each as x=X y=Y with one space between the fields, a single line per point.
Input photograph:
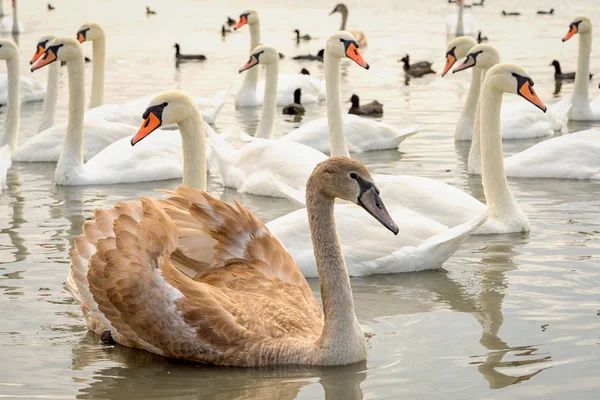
x=10 y=52
x=251 y=168
x=451 y=206
x=519 y=120
x=130 y=112
x=49 y=108
x=581 y=108
x=460 y=24
x=359 y=35
x=457 y=49
x=30 y=89
x=157 y=158
x=343 y=133
x=12 y=24
x=251 y=93
x=47 y=145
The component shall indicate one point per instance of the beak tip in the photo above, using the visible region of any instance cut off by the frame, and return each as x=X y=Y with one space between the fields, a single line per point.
x=368 y=66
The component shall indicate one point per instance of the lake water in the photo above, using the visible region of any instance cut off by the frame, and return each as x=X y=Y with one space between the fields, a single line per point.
x=512 y=316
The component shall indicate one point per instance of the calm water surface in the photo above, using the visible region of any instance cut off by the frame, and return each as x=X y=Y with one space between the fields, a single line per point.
x=515 y=316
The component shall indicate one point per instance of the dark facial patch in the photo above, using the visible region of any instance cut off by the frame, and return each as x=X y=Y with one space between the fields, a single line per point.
x=83 y=33
x=156 y=110
x=521 y=80
x=451 y=52
x=347 y=43
x=574 y=24
x=474 y=56
x=43 y=44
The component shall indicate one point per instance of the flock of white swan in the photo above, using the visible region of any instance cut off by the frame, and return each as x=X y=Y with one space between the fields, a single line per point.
x=191 y=277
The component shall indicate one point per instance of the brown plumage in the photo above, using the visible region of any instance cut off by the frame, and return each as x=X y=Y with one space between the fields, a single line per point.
x=248 y=304
x=372 y=108
x=418 y=69
x=296 y=108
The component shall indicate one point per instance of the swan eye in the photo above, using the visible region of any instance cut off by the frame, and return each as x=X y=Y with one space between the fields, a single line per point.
x=353 y=176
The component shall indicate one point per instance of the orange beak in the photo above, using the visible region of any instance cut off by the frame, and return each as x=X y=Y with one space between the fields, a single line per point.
x=243 y=21
x=526 y=90
x=80 y=37
x=353 y=53
x=450 y=60
x=48 y=58
x=571 y=32
x=251 y=63
x=38 y=54
x=150 y=125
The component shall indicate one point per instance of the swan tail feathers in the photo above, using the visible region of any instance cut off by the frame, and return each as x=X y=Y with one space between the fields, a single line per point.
x=210 y=114
x=402 y=134
x=434 y=251
x=296 y=196
x=225 y=154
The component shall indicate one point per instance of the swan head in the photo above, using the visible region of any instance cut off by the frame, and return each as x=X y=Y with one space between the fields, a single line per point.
x=481 y=56
x=348 y=179
x=164 y=109
x=509 y=78
x=89 y=31
x=8 y=49
x=341 y=8
x=262 y=54
x=62 y=49
x=249 y=17
x=457 y=49
x=40 y=47
x=343 y=44
x=580 y=24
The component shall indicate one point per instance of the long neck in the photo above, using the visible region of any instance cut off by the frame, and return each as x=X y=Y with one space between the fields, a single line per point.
x=15 y=27
x=337 y=138
x=341 y=326
x=72 y=151
x=13 y=108
x=267 y=116
x=49 y=109
x=99 y=54
x=459 y=22
x=194 y=151
x=557 y=69
x=251 y=78
x=495 y=184
x=580 y=91
x=474 y=162
x=467 y=115
x=344 y=13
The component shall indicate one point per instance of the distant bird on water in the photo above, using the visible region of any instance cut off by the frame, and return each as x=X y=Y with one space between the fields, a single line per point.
x=296 y=107
x=230 y=21
x=373 y=108
x=183 y=57
x=150 y=11
x=480 y=38
x=510 y=13
x=542 y=12
x=50 y=7
x=559 y=75
x=224 y=31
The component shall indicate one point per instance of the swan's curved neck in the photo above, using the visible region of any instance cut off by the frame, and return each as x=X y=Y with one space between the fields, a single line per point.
x=251 y=78
x=49 y=109
x=466 y=121
x=99 y=54
x=580 y=91
x=344 y=13
x=337 y=138
x=495 y=184
x=13 y=107
x=193 y=142
x=71 y=157
x=267 y=116
x=460 y=30
x=474 y=162
x=341 y=332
